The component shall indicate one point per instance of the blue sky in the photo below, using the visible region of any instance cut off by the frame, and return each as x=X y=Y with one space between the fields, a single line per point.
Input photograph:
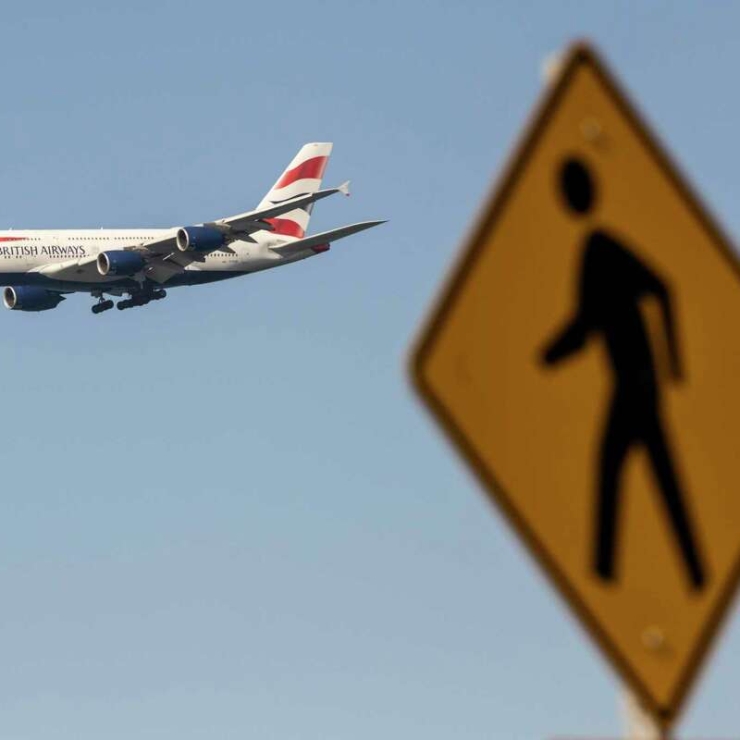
x=226 y=515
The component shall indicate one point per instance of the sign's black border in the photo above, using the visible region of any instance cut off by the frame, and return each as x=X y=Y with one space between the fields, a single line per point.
x=580 y=53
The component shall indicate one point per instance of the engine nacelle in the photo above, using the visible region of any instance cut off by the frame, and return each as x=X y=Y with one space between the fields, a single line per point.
x=120 y=263
x=199 y=239
x=30 y=298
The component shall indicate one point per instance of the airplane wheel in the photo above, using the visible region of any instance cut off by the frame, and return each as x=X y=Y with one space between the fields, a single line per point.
x=102 y=306
x=121 y=305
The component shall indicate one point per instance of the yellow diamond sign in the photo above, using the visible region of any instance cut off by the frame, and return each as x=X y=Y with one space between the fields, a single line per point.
x=585 y=359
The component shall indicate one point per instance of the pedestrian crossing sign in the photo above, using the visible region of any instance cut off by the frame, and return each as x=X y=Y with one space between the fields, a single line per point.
x=585 y=359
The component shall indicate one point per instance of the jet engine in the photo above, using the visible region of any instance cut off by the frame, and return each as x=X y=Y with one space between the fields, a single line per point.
x=30 y=298
x=120 y=263
x=199 y=239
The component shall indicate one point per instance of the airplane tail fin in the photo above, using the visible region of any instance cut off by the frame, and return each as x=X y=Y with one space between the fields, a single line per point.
x=302 y=176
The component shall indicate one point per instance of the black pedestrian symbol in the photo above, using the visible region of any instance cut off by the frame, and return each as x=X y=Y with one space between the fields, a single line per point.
x=612 y=282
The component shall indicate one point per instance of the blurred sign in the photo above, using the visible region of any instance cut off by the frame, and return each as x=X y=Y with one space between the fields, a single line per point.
x=585 y=359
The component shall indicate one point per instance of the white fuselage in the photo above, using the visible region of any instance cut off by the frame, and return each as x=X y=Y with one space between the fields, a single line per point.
x=33 y=256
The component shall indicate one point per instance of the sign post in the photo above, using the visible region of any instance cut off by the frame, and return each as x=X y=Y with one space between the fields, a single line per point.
x=584 y=358
x=639 y=724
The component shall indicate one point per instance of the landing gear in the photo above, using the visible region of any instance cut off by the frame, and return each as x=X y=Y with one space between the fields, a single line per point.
x=101 y=306
x=140 y=299
x=131 y=302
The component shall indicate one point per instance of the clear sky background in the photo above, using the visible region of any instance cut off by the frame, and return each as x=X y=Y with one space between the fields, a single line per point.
x=225 y=515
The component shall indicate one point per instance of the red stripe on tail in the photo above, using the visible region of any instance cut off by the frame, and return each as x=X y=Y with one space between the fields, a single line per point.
x=286 y=227
x=310 y=169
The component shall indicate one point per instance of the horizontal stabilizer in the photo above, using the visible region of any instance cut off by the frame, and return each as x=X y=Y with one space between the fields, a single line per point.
x=323 y=239
x=254 y=220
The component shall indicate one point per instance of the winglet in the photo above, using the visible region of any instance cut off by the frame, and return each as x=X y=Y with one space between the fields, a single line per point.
x=344 y=188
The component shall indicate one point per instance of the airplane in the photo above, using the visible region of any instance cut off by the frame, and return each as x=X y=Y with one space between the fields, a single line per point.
x=41 y=267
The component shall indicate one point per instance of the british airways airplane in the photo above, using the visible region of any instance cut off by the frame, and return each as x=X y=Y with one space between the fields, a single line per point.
x=42 y=267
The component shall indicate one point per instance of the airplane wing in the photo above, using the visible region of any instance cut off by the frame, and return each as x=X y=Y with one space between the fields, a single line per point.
x=162 y=246
x=237 y=226
x=323 y=239
x=162 y=269
x=166 y=260
x=240 y=225
x=83 y=270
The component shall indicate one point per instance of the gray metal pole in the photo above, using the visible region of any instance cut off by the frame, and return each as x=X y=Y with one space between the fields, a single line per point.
x=639 y=724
